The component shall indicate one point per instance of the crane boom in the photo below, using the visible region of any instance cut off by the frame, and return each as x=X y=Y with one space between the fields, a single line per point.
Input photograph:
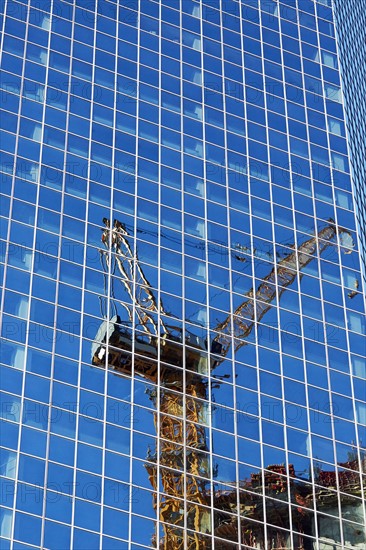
x=239 y=324
x=242 y=321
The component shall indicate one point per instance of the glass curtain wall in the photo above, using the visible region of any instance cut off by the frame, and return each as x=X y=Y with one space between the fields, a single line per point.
x=350 y=27
x=183 y=354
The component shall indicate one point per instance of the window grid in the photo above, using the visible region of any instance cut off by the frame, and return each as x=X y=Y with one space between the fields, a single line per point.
x=260 y=172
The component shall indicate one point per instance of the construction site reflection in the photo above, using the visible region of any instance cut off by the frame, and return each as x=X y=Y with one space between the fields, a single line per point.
x=274 y=508
x=258 y=512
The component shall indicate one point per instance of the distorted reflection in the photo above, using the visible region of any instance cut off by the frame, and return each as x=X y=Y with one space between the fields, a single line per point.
x=140 y=338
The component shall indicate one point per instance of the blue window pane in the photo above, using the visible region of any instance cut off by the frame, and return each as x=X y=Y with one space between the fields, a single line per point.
x=56 y=535
x=27 y=528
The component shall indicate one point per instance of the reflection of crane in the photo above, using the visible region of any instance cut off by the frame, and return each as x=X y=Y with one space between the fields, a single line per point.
x=241 y=323
x=179 y=363
x=183 y=452
x=132 y=276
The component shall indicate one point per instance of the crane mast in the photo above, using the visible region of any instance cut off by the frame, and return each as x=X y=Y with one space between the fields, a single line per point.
x=182 y=439
x=178 y=363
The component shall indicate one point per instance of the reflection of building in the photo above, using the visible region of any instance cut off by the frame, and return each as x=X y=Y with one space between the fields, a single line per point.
x=199 y=383
x=278 y=489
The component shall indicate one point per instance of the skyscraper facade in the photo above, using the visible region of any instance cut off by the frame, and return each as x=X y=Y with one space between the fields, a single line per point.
x=183 y=332
x=351 y=28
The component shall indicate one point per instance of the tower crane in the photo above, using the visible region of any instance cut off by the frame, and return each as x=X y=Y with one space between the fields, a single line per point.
x=177 y=362
x=131 y=275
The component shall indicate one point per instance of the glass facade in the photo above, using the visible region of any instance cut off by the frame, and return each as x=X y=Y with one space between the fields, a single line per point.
x=183 y=328
x=350 y=26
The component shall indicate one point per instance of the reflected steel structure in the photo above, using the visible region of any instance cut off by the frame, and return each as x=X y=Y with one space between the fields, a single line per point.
x=184 y=468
